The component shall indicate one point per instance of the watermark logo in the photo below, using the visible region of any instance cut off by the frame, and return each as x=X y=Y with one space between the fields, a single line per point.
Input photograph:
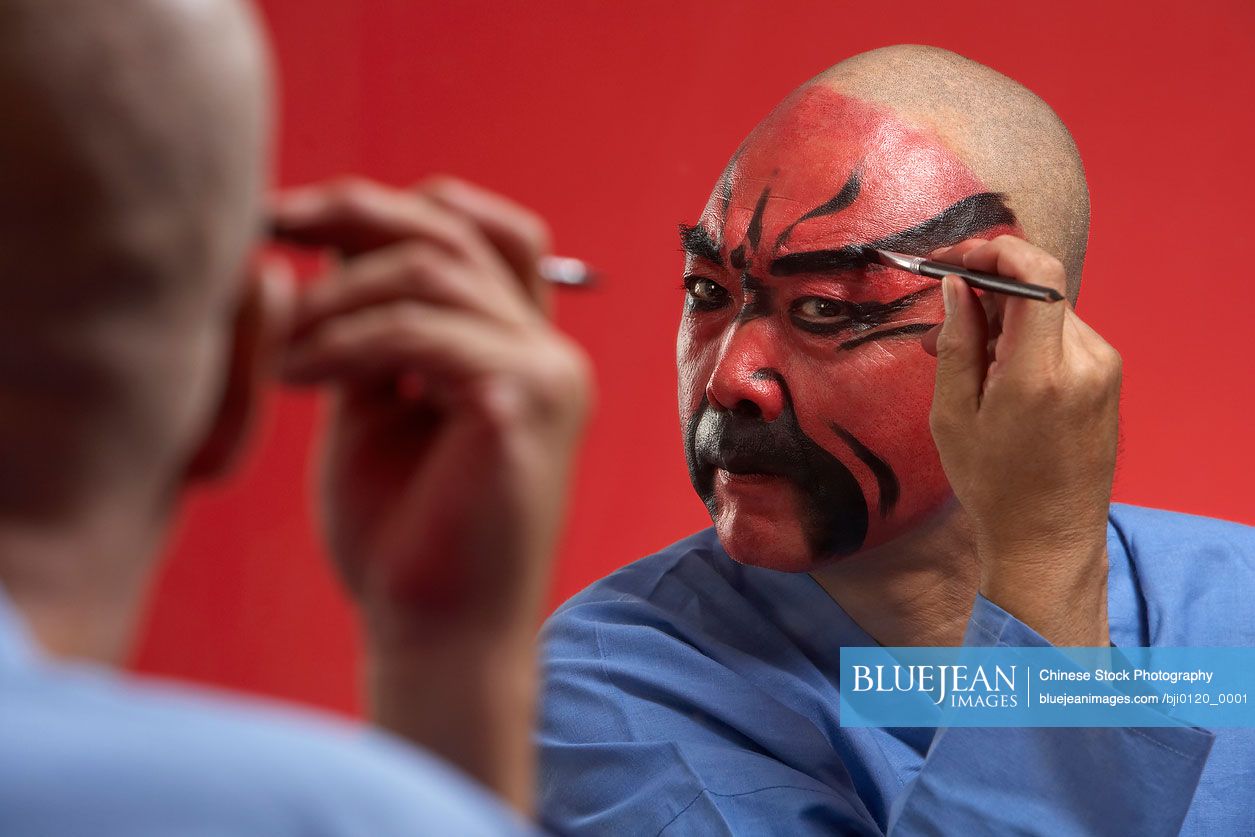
x=1047 y=687
x=956 y=686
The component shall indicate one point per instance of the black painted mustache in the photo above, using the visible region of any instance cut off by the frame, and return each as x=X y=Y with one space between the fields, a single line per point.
x=833 y=510
x=744 y=445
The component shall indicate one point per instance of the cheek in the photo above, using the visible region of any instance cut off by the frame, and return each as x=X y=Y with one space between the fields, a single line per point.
x=881 y=394
x=879 y=388
x=901 y=436
x=890 y=394
x=696 y=349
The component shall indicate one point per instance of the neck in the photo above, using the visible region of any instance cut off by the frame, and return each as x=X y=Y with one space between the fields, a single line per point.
x=79 y=586
x=916 y=590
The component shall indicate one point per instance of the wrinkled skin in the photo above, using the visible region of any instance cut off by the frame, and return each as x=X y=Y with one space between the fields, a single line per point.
x=804 y=392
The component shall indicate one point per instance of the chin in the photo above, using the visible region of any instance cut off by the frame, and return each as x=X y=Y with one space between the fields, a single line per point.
x=762 y=528
x=771 y=544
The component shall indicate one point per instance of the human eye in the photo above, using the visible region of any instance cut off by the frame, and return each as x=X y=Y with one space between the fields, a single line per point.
x=820 y=315
x=705 y=294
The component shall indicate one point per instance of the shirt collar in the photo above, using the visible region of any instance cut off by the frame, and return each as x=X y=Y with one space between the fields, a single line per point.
x=797 y=605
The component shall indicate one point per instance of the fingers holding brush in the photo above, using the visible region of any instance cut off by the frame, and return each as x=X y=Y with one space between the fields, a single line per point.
x=519 y=234
x=1035 y=326
x=1025 y=418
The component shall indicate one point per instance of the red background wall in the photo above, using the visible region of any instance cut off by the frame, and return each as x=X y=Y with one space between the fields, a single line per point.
x=614 y=119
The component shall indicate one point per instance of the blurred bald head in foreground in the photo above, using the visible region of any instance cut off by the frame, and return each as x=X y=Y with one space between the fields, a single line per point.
x=131 y=176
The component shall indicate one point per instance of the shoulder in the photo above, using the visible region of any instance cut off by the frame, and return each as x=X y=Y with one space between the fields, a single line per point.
x=690 y=608
x=650 y=629
x=649 y=577
x=155 y=757
x=684 y=634
x=1168 y=537
x=680 y=689
x=687 y=568
x=1180 y=528
x=1192 y=577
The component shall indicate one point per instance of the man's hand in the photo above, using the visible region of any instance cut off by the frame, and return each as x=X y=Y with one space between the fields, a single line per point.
x=456 y=413
x=1025 y=418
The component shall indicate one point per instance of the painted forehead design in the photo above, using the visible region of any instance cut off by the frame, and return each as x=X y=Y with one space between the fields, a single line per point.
x=804 y=142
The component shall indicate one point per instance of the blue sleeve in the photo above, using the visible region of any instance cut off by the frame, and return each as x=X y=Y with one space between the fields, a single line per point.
x=648 y=740
x=1084 y=781
x=627 y=747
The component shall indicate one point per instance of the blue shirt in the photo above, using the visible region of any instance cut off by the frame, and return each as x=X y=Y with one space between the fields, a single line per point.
x=86 y=751
x=688 y=694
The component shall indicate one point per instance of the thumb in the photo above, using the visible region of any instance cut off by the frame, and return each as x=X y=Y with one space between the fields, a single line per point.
x=961 y=350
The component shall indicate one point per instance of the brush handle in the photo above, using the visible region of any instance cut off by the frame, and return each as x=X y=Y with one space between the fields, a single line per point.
x=989 y=282
x=564 y=270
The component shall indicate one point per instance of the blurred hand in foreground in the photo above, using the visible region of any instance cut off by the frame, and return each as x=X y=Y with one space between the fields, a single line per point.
x=456 y=412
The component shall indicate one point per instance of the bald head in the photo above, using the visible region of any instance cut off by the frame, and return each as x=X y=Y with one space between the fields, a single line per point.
x=1011 y=140
x=131 y=171
x=135 y=132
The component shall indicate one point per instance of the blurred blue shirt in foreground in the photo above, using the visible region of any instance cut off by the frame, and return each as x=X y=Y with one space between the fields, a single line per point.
x=86 y=751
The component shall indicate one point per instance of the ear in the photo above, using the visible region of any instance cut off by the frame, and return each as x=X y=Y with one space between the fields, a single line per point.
x=260 y=326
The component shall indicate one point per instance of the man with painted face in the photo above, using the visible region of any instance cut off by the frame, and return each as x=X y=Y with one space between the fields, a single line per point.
x=863 y=492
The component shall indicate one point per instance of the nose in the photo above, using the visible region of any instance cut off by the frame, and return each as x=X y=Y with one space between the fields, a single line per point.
x=746 y=379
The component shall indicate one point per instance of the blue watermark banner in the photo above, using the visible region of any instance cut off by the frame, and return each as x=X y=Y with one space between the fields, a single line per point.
x=1047 y=687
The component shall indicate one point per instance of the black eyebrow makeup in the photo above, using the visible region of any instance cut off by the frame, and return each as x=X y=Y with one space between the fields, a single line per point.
x=697 y=242
x=961 y=220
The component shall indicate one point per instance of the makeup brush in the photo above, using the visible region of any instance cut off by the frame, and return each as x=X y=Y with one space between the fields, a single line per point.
x=985 y=281
x=564 y=270
x=556 y=270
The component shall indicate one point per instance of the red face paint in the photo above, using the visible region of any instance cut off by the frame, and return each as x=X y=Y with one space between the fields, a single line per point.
x=804 y=391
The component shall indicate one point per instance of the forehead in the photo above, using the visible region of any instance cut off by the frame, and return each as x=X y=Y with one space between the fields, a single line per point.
x=811 y=147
